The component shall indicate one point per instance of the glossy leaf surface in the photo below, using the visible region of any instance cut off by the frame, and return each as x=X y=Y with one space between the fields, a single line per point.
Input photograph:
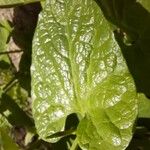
x=78 y=67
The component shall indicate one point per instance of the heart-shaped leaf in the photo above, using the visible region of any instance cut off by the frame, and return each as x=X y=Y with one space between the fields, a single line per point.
x=78 y=67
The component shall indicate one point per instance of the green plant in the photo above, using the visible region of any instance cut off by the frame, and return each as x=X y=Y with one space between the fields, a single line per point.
x=89 y=76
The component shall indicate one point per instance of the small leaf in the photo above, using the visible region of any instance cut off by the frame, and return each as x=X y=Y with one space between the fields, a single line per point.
x=144 y=106
x=6 y=141
x=5 y=66
x=4 y=33
x=78 y=67
x=19 y=95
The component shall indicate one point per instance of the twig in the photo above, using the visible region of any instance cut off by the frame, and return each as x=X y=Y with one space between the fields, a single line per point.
x=10 y=85
x=8 y=52
x=74 y=145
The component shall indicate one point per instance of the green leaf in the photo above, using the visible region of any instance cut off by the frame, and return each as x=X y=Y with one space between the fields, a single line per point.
x=145 y=4
x=132 y=35
x=5 y=75
x=6 y=141
x=78 y=67
x=19 y=95
x=43 y=3
x=4 y=33
x=136 y=52
x=144 y=106
x=15 y=2
x=5 y=71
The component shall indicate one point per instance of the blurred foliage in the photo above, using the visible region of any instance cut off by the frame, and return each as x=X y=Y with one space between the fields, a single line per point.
x=6 y=141
x=13 y=97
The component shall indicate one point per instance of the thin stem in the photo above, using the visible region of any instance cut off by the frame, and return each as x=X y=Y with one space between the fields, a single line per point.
x=63 y=133
x=10 y=85
x=74 y=145
x=8 y=52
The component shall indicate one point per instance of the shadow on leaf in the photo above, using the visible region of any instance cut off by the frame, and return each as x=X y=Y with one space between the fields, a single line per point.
x=132 y=33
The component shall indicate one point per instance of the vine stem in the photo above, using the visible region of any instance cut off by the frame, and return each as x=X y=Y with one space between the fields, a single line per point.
x=9 y=52
x=74 y=145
